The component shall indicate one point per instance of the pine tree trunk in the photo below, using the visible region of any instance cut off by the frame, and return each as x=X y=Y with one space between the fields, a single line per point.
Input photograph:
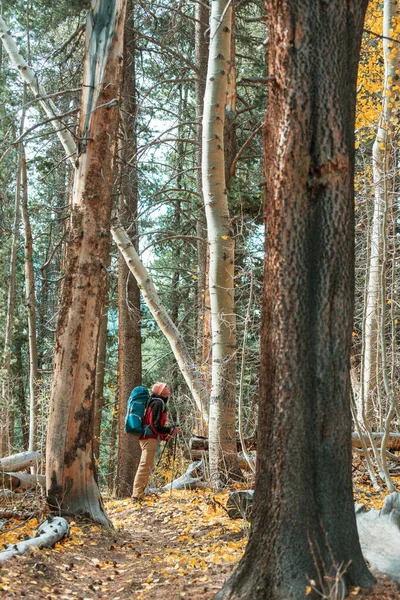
x=113 y=445
x=20 y=391
x=6 y=416
x=70 y=469
x=129 y=314
x=223 y=455
x=303 y=520
x=99 y=382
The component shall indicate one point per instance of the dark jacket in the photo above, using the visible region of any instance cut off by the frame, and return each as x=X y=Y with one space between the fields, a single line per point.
x=156 y=416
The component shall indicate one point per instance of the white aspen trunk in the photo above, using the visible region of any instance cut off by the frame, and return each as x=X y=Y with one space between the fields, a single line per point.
x=30 y=306
x=382 y=163
x=5 y=422
x=203 y=353
x=222 y=438
x=185 y=362
x=30 y=77
x=70 y=469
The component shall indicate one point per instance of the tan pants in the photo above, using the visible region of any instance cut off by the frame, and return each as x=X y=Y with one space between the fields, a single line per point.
x=146 y=464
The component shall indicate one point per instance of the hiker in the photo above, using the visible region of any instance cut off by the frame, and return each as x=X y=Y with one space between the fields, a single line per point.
x=155 y=418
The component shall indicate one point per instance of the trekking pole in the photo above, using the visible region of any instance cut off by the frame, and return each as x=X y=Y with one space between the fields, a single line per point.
x=173 y=464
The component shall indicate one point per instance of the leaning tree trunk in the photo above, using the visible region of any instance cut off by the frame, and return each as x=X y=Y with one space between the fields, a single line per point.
x=129 y=315
x=303 y=521
x=31 y=79
x=223 y=455
x=70 y=470
x=185 y=362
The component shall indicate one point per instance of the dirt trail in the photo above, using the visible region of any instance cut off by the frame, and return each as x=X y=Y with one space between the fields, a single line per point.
x=183 y=547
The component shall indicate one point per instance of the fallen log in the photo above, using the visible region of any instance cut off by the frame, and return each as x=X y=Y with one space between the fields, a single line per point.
x=17 y=514
x=393 y=443
x=19 y=462
x=49 y=533
x=197 y=455
x=379 y=533
x=25 y=481
x=201 y=443
x=191 y=479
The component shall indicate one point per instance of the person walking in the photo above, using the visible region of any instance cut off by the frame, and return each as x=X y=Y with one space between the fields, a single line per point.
x=155 y=418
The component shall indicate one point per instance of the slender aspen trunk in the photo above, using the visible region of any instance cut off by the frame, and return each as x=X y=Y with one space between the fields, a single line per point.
x=384 y=167
x=70 y=469
x=222 y=437
x=129 y=314
x=31 y=308
x=203 y=344
x=185 y=362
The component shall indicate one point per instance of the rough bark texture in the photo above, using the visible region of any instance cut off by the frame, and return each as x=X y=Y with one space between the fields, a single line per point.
x=129 y=316
x=71 y=484
x=303 y=516
x=99 y=381
x=223 y=456
x=6 y=416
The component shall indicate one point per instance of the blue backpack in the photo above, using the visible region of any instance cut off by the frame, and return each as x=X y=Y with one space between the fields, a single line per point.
x=136 y=410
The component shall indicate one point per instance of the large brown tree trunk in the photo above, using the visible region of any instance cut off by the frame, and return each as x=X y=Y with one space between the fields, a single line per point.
x=70 y=470
x=129 y=315
x=303 y=518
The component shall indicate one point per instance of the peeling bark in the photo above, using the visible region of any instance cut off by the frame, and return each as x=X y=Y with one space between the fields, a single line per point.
x=70 y=469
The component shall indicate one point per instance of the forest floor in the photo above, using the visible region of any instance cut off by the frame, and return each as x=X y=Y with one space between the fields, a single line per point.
x=179 y=545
